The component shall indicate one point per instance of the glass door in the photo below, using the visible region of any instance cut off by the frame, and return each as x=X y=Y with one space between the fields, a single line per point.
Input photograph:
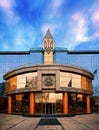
x=48 y=108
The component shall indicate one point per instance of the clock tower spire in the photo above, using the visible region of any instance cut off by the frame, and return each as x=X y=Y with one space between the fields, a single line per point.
x=48 y=48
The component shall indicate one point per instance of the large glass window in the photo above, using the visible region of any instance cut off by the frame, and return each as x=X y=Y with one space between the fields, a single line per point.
x=70 y=80
x=48 y=103
x=65 y=79
x=9 y=62
x=20 y=103
x=36 y=57
x=60 y=58
x=77 y=103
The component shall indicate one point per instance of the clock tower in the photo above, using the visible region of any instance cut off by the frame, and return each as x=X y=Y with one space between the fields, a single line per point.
x=48 y=48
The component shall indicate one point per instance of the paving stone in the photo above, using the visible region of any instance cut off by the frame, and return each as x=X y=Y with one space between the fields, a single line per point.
x=81 y=122
x=78 y=122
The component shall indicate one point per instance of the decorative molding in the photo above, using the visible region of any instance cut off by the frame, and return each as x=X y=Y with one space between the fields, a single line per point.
x=75 y=90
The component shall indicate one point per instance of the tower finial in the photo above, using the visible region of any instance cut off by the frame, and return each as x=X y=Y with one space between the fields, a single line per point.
x=48 y=34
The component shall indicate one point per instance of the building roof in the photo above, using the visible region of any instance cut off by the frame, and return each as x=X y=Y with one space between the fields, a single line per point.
x=13 y=52
x=84 y=52
x=49 y=67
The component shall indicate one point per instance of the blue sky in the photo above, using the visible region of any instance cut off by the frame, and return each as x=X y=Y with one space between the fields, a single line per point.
x=74 y=24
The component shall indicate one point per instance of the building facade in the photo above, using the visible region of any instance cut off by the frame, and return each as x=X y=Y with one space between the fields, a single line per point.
x=47 y=84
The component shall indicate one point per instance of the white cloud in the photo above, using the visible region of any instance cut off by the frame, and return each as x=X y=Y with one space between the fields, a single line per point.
x=79 y=27
x=55 y=8
x=95 y=35
x=6 y=4
x=56 y=3
x=95 y=18
x=94 y=11
x=77 y=31
x=7 y=7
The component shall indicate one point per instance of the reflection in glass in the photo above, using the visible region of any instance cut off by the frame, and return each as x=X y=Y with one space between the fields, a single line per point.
x=77 y=103
x=20 y=103
x=48 y=103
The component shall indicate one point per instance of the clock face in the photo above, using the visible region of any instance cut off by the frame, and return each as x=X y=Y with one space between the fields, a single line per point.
x=48 y=81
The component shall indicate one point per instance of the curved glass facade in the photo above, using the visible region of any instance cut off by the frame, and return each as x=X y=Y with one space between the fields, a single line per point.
x=10 y=61
x=49 y=103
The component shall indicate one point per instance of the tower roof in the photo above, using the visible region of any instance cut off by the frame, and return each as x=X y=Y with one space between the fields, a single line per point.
x=48 y=34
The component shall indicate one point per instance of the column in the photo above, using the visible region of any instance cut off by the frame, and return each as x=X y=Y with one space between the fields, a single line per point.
x=9 y=104
x=32 y=103
x=65 y=103
x=88 y=104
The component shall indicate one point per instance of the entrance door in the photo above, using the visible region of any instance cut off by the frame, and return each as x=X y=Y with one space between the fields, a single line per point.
x=49 y=108
x=48 y=103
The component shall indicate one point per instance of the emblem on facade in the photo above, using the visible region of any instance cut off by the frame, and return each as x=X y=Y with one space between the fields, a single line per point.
x=48 y=81
x=48 y=46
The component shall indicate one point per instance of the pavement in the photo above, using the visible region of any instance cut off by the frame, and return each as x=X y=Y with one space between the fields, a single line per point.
x=76 y=122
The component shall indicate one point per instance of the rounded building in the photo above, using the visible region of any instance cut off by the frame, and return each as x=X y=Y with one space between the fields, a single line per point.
x=49 y=88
